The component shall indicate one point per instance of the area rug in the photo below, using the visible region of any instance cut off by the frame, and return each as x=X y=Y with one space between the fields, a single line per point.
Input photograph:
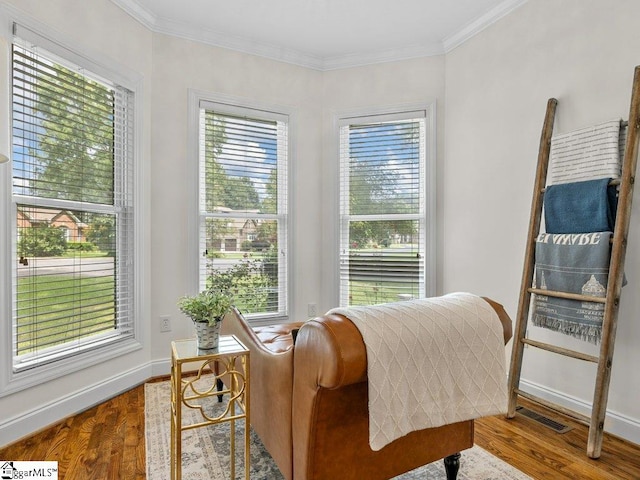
x=205 y=451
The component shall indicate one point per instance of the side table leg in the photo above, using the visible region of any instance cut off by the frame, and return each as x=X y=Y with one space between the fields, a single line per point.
x=247 y=416
x=232 y=436
x=173 y=419
x=176 y=441
x=173 y=443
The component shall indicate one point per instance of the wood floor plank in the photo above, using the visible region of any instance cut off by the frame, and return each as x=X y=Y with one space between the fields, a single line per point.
x=116 y=449
x=74 y=460
x=505 y=440
x=108 y=442
x=55 y=449
x=100 y=444
x=541 y=452
x=134 y=453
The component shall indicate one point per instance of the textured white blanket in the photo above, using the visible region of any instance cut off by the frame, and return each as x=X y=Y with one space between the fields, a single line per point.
x=587 y=154
x=430 y=362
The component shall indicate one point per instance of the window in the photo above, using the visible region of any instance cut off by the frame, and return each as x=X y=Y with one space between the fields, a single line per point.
x=243 y=216
x=72 y=207
x=386 y=222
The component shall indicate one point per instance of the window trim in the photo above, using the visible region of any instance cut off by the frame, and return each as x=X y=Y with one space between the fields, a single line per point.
x=10 y=381
x=393 y=112
x=249 y=107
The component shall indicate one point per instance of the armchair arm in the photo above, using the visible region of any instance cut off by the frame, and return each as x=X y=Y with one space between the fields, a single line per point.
x=339 y=353
x=507 y=329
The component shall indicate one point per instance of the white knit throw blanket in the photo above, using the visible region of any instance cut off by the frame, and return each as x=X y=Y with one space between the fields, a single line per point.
x=430 y=362
x=587 y=154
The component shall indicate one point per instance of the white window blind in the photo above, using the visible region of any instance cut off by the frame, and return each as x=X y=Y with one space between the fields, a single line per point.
x=243 y=206
x=383 y=210
x=72 y=152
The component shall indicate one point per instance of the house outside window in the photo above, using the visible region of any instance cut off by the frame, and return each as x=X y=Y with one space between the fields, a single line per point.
x=387 y=196
x=72 y=202
x=243 y=204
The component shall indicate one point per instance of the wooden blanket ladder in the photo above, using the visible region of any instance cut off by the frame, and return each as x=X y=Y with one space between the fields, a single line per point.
x=616 y=273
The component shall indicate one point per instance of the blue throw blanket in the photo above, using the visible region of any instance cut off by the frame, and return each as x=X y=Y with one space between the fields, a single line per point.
x=580 y=207
x=572 y=263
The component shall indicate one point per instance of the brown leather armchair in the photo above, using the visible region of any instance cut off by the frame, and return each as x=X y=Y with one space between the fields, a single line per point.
x=311 y=409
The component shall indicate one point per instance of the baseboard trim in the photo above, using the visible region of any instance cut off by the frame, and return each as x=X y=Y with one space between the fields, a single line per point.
x=26 y=424
x=615 y=423
x=161 y=368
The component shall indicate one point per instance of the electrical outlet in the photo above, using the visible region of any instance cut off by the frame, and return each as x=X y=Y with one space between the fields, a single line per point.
x=165 y=323
x=312 y=310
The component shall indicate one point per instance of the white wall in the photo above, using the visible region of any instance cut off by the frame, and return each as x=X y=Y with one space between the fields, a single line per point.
x=171 y=67
x=417 y=81
x=315 y=97
x=180 y=65
x=582 y=52
x=107 y=35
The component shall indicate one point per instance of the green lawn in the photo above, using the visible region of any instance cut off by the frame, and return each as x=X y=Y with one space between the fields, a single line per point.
x=372 y=293
x=55 y=308
x=78 y=254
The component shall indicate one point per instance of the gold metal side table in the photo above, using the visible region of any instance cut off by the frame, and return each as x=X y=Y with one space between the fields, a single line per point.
x=229 y=362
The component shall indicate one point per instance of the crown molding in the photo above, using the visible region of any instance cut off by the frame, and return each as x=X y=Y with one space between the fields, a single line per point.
x=137 y=11
x=296 y=57
x=210 y=37
x=240 y=44
x=471 y=29
x=394 y=55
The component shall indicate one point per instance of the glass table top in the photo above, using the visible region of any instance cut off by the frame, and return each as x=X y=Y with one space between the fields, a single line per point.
x=188 y=350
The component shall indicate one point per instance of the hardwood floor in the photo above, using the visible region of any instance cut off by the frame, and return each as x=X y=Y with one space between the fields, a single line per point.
x=104 y=442
x=107 y=442
x=542 y=453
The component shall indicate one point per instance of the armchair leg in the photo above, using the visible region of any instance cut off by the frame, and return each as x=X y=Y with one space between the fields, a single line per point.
x=219 y=382
x=452 y=465
x=219 y=386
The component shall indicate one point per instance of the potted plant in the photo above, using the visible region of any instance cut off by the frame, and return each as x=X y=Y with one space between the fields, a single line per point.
x=206 y=309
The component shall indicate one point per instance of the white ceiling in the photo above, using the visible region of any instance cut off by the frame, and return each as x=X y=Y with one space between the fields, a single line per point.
x=323 y=34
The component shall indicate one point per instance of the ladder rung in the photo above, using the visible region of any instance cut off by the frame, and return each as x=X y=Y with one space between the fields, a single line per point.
x=561 y=351
x=554 y=406
x=614 y=182
x=569 y=296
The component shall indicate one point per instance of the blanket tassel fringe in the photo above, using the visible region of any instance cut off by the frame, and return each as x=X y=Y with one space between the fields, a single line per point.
x=588 y=333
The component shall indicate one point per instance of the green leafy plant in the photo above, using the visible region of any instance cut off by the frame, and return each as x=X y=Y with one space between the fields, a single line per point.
x=246 y=281
x=206 y=306
x=42 y=241
x=244 y=284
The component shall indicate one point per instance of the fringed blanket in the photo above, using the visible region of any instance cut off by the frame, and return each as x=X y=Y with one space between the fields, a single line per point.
x=430 y=362
x=586 y=154
x=572 y=263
